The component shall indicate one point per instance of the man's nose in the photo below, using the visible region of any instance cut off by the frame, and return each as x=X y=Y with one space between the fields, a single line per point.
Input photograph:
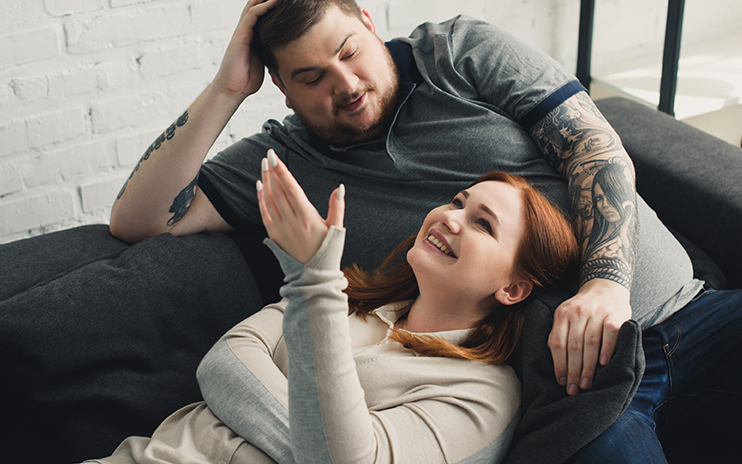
x=346 y=81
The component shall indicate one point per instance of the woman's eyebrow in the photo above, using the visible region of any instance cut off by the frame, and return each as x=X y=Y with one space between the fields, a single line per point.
x=483 y=207
x=487 y=210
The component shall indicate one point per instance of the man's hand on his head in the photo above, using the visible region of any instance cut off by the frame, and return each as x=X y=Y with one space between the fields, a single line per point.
x=241 y=73
x=585 y=332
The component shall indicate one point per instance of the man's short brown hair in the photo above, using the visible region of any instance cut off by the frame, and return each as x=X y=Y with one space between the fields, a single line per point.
x=289 y=20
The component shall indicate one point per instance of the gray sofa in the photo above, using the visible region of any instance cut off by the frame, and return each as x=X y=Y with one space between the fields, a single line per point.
x=693 y=182
x=84 y=367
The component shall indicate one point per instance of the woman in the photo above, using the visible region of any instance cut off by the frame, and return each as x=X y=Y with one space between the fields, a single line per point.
x=413 y=374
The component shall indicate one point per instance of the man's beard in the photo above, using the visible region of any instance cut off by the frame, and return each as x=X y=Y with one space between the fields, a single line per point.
x=340 y=134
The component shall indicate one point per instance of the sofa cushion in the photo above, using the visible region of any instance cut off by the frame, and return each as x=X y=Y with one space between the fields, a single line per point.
x=108 y=347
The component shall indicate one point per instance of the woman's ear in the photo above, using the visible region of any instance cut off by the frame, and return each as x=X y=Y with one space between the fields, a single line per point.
x=515 y=292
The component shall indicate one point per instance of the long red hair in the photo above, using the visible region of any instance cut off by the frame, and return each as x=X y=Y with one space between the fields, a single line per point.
x=547 y=256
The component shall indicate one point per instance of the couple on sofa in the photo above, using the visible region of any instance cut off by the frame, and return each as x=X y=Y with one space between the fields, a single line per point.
x=407 y=125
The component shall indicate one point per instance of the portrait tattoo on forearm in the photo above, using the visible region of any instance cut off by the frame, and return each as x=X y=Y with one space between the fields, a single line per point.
x=580 y=144
x=167 y=135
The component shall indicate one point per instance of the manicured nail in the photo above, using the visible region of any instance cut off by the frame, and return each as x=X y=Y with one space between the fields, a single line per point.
x=272 y=158
x=258 y=186
x=264 y=164
x=341 y=192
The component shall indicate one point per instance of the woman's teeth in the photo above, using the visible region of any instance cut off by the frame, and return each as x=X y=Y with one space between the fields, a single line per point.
x=439 y=245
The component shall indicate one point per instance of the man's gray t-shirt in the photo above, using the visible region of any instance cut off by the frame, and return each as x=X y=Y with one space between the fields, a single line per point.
x=470 y=92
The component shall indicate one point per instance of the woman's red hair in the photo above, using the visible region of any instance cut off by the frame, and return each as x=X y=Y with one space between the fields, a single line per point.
x=547 y=256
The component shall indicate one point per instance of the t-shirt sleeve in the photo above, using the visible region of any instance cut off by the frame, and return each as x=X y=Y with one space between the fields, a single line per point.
x=228 y=179
x=484 y=62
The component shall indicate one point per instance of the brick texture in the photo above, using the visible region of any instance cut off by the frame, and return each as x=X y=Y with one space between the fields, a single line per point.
x=87 y=85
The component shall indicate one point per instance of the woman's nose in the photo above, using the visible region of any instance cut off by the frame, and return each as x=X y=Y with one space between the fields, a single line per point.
x=452 y=220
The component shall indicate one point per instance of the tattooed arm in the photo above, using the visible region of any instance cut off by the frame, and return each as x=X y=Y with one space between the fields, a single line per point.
x=162 y=195
x=580 y=144
x=163 y=184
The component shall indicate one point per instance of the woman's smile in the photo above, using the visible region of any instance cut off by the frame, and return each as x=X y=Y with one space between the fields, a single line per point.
x=439 y=243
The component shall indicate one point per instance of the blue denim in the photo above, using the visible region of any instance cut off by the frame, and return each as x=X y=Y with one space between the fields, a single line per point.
x=693 y=358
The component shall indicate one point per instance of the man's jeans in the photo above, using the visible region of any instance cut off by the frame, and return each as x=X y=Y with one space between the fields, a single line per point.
x=693 y=381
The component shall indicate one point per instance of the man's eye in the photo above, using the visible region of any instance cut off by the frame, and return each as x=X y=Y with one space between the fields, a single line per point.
x=315 y=81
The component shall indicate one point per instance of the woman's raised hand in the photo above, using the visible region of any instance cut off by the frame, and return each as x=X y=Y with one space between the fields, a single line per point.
x=290 y=219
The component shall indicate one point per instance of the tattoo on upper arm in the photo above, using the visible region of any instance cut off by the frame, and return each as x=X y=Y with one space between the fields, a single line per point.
x=579 y=144
x=182 y=201
x=574 y=133
x=167 y=135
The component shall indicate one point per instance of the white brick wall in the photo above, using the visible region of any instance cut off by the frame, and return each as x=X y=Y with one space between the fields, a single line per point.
x=86 y=85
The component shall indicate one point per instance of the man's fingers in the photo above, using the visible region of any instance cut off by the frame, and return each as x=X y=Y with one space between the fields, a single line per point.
x=591 y=347
x=575 y=346
x=558 y=346
x=610 y=338
x=258 y=8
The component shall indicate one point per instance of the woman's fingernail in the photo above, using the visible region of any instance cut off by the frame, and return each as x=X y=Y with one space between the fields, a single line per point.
x=272 y=158
x=563 y=381
x=341 y=192
x=264 y=164
x=258 y=186
x=572 y=390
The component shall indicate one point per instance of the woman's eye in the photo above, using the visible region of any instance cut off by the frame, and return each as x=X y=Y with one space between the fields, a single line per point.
x=485 y=225
x=457 y=203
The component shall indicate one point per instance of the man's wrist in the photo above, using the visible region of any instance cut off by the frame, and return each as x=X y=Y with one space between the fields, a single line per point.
x=223 y=98
x=612 y=269
x=603 y=286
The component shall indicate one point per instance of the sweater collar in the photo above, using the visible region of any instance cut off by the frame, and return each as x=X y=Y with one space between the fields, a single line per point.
x=391 y=313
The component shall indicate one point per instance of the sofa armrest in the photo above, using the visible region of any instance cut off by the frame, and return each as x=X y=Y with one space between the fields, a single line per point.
x=693 y=180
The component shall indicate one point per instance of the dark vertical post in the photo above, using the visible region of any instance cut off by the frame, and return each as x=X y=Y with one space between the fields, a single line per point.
x=671 y=56
x=585 y=42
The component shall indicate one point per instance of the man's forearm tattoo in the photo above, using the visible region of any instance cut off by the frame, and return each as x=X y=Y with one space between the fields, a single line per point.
x=182 y=202
x=578 y=143
x=167 y=135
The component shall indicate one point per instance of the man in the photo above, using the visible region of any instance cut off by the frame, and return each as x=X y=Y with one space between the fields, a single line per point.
x=406 y=126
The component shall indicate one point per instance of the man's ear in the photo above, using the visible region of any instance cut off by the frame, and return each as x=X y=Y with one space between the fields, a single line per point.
x=516 y=292
x=277 y=82
x=366 y=18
